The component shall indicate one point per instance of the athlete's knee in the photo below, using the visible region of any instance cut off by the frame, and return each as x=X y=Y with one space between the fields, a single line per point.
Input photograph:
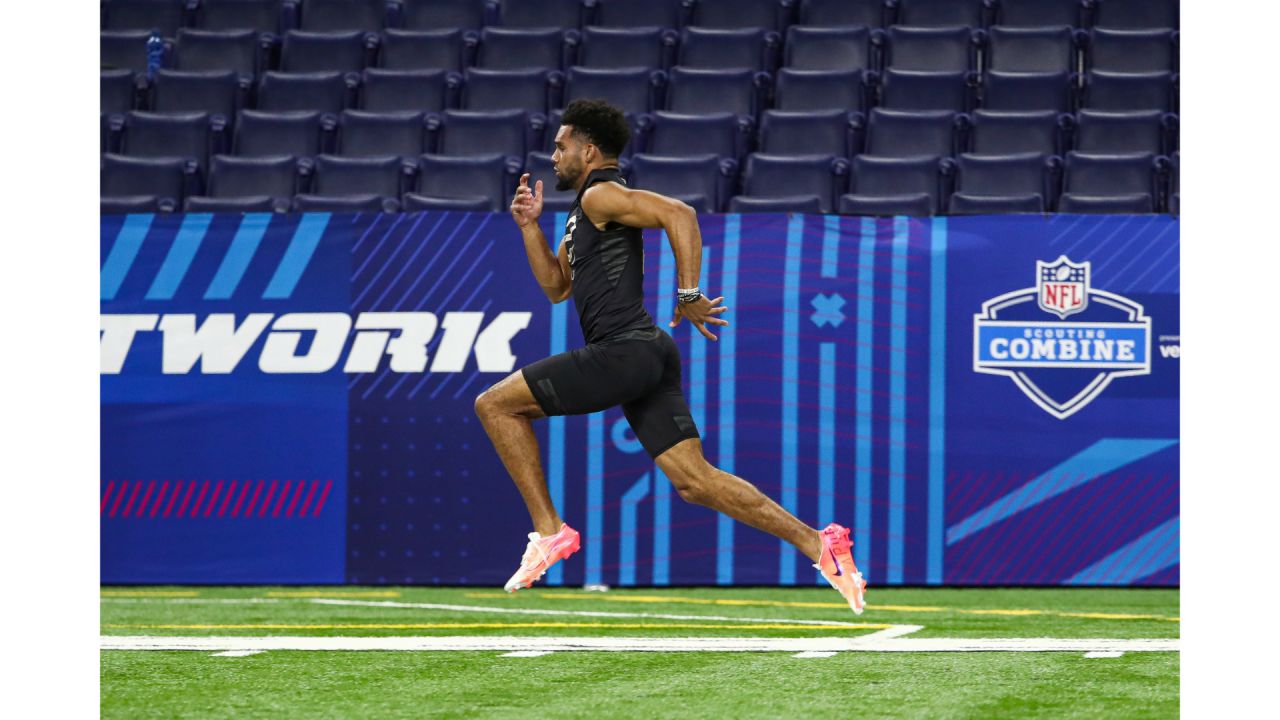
x=691 y=475
x=486 y=404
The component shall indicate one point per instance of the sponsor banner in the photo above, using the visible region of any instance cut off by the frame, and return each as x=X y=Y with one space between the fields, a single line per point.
x=289 y=399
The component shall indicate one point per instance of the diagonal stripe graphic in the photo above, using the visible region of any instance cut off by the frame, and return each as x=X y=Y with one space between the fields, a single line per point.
x=183 y=250
x=1153 y=552
x=240 y=253
x=297 y=256
x=123 y=252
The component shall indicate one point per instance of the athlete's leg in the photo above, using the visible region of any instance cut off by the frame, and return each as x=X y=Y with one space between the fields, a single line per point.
x=507 y=411
x=701 y=483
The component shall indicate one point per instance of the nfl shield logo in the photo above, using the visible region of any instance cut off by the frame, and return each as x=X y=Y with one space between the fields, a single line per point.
x=1062 y=287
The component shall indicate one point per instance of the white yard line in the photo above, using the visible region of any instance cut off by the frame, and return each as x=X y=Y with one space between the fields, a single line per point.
x=1108 y=654
x=639 y=644
x=239 y=653
x=197 y=601
x=814 y=654
x=526 y=653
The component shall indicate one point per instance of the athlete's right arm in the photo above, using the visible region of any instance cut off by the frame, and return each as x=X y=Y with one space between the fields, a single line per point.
x=552 y=271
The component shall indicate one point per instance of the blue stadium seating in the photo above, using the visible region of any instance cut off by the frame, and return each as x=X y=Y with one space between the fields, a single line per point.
x=132 y=184
x=940 y=13
x=996 y=132
x=165 y=16
x=820 y=90
x=1100 y=132
x=464 y=133
x=836 y=13
x=990 y=184
x=632 y=14
x=414 y=202
x=798 y=179
x=540 y=167
x=448 y=49
x=262 y=16
x=306 y=51
x=930 y=49
x=178 y=135
x=1175 y=171
x=106 y=141
x=347 y=184
x=1136 y=14
x=710 y=91
x=322 y=91
x=216 y=92
x=1132 y=50
x=117 y=93
x=340 y=15
x=461 y=183
x=501 y=90
x=300 y=133
x=1028 y=91
x=1039 y=13
x=912 y=90
x=443 y=14
x=125 y=50
x=627 y=47
x=237 y=50
x=828 y=48
x=1046 y=50
x=724 y=49
x=274 y=178
x=1108 y=183
x=364 y=202
x=394 y=90
x=830 y=132
x=719 y=134
x=523 y=49
x=804 y=204
x=564 y=14
x=1129 y=91
x=897 y=133
x=633 y=90
x=735 y=14
x=250 y=204
x=893 y=186
x=370 y=134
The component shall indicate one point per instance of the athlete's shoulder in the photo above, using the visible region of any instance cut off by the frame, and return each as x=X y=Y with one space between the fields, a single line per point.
x=604 y=201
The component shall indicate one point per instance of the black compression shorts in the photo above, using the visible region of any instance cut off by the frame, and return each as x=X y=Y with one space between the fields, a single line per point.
x=638 y=369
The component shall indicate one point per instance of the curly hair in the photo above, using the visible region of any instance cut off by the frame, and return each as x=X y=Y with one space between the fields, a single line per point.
x=600 y=123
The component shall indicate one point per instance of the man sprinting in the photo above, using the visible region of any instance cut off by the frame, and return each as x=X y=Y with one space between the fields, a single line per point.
x=627 y=360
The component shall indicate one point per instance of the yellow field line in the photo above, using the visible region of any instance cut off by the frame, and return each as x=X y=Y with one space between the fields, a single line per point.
x=333 y=594
x=150 y=593
x=500 y=625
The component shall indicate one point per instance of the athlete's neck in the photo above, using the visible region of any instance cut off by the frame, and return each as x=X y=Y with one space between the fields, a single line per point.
x=603 y=165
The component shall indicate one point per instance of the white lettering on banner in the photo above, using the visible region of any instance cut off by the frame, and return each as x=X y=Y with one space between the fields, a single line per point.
x=1124 y=350
x=220 y=345
x=1041 y=349
x=1171 y=351
x=1000 y=349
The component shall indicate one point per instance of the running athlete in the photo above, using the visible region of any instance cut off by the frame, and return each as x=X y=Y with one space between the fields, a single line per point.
x=627 y=360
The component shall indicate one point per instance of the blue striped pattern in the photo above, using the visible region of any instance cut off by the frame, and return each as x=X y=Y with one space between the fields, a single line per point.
x=728 y=391
x=827 y=390
x=862 y=394
x=937 y=402
x=790 y=388
x=698 y=359
x=239 y=254
x=555 y=425
x=662 y=486
x=595 y=498
x=123 y=252
x=897 y=401
x=297 y=256
x=178 y=261
x=1154 y=551
x=627 y=544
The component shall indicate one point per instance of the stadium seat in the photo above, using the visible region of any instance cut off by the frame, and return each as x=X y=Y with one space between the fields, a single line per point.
x=997 y=132
x=828 y=48
x=725 y=49
x=820 y=90
x=443 y=14
x=627 y=47
x=273 y=177
x=737 y=14
x=710 y=91
x=179 y=135
x=893 y=186
x=363 y=202
x=1136 y=14
x=563 y=14
x=343 y=15
x=464 y=181
x=250 y=204
x=1108 y=183
x=369 y=134
x=790 y=132
x=897 y=133
x=523 y=49
x=1175 y=171
x=133 y=184
x=1027 y=91
x=804 y=204
x=1132 y=50
x=1128 y=91
x=124 y=50
x=323 y=91
x=464 y=133
x=306 y=51
x=632 y=90
x=501 y=90
x=395 y=90
x=448 y=49
x=1101 y=132
x=300 y=133
x=540 y=167
x=357 y=179
x=795 y=178
x=414 y=202
x=1045 y=50
x=647 y=14
x=834 y=13
x=1038 y=13
x=912 y=90
x=930 y=49
x=207 y=50
x=261 y=16
x=940 y=13
x=117 y=91
x=990 y=184
x=677 y=135
x=106 y=141
x=164 y=16
x=215 y=92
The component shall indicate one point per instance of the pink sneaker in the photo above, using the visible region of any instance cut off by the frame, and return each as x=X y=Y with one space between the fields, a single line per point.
x=542 y=553
x=836 y=565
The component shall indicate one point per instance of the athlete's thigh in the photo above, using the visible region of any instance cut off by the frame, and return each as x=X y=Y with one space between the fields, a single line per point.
x=661 y=419
x=585 y=380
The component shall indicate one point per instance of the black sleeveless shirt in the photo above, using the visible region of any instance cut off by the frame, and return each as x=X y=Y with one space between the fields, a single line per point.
x=607 y=269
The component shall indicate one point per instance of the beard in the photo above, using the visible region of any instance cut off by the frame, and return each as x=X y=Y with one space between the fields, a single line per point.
x=566 y=181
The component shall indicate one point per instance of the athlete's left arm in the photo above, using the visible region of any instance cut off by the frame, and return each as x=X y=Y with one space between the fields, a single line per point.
x=610 y=202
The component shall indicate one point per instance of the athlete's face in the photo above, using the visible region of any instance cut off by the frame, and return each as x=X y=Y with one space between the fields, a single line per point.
x=569 y=158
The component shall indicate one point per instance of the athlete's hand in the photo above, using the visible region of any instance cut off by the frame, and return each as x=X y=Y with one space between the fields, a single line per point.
x=701 y=312
x=526 y=207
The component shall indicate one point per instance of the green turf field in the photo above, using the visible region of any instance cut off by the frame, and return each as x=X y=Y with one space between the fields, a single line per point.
x=709 y=653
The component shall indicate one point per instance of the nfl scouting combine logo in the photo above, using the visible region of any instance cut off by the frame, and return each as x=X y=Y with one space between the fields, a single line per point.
x=1061 y=364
